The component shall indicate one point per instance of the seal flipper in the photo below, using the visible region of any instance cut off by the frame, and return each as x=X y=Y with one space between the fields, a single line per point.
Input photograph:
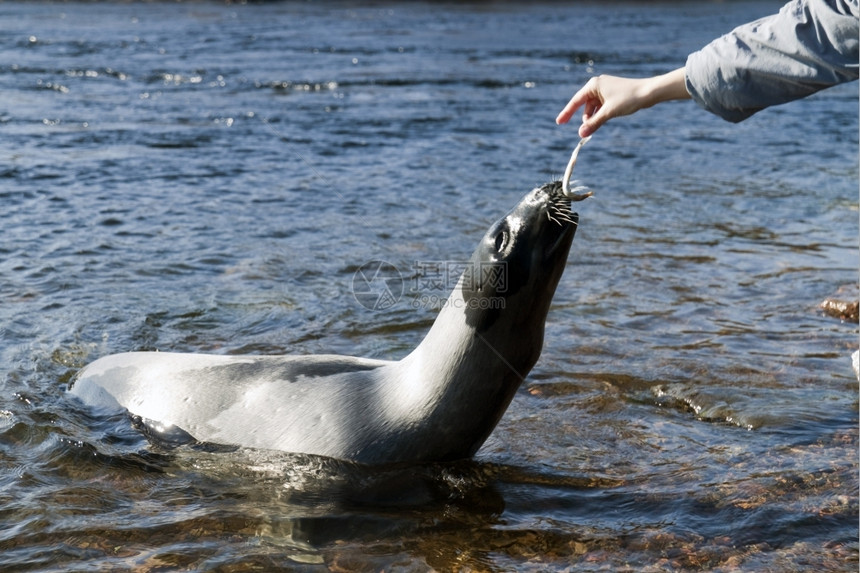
x=170 y=436
x=163 y=434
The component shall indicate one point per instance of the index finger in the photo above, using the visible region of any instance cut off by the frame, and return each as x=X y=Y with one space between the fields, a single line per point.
x=578 y=99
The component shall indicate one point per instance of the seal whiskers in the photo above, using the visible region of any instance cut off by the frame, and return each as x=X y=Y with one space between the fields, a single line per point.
x=558 y=209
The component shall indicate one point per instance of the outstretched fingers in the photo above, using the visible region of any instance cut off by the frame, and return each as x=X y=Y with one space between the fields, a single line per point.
x=585 y=96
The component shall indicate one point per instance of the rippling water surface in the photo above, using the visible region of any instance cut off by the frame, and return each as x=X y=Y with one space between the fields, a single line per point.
x=207 y=178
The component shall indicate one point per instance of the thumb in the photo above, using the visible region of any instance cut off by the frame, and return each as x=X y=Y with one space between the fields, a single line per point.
x=592 y=123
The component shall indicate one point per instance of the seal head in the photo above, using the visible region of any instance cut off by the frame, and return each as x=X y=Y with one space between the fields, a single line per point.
x=497 y=315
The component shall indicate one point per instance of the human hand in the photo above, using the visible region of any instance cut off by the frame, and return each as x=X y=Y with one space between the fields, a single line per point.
x=606 y=97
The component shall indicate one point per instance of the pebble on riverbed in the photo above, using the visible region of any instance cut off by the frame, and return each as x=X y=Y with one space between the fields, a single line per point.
x=842 y=304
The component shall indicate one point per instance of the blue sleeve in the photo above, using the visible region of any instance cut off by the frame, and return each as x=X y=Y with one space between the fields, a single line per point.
x=810 y=45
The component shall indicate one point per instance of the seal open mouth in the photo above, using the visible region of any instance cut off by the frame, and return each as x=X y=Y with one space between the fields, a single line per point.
x=558 y=211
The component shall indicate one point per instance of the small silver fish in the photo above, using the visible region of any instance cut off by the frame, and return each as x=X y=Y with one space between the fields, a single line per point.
x=579 y=192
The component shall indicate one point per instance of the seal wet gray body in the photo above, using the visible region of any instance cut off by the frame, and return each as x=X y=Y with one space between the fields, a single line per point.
x=440 y=402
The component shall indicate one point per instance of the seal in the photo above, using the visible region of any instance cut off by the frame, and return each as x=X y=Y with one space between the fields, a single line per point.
x=440 y=402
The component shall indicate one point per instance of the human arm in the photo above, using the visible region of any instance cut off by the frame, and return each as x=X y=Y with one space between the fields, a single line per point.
x=808 y=46
x=605 y=97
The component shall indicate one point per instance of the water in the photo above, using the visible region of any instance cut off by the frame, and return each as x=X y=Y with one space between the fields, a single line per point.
x=207 y=178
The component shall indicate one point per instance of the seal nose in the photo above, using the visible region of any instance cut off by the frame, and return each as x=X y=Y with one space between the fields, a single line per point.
x=553 y=189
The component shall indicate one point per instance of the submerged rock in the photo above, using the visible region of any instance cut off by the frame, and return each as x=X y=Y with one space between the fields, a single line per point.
x=843 y=305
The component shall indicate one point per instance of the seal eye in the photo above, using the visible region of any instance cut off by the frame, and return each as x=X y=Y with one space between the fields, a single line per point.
x=501 y=240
